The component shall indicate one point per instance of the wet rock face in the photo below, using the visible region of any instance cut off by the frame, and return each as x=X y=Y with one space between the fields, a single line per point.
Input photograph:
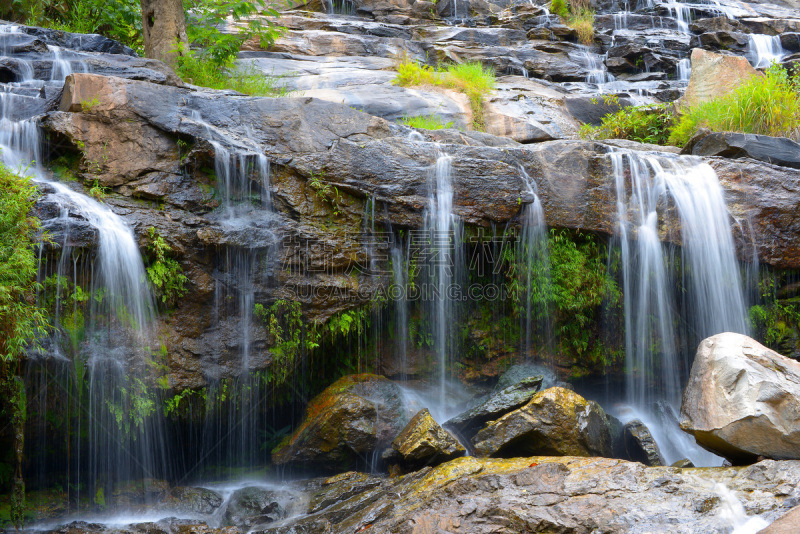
x=555 y=422
x=547 y=494
x=742 y=400
x=498 y=404
x=423 y=442
x=193 y=500
x=345 y=424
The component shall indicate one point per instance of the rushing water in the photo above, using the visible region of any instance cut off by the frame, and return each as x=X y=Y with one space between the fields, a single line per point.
x=763 y=50
x=710 y=283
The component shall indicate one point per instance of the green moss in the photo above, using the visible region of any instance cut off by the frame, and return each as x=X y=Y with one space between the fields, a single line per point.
x=645 y=124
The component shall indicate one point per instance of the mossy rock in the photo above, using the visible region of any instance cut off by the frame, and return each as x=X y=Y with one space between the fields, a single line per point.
x=345 y=424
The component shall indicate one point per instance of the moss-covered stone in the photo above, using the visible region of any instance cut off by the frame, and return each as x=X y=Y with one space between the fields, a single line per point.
x=344 y=424
x=423 y=442
x=556 y=422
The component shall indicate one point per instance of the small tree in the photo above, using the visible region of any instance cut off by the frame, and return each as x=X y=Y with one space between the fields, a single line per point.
x=164 y=30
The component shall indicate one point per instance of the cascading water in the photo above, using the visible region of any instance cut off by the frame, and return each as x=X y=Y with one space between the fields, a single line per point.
x=684 y=70
x=646 y=186
x=533 y=254
x=763 y=50
x=105 y=321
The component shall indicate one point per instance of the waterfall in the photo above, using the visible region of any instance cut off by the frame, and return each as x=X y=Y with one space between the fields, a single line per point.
x=445 y=263
x=710 y=285
x=763 y=50
x=534 y=260
x=108 y=320
x=684 y=70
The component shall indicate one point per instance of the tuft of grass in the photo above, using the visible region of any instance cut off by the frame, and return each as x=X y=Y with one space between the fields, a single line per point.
x=645 y=124
x=471 y=78
x=582 y=21
x=425 y=122
x=767 y=105
x=578 y=15
x=247 y=79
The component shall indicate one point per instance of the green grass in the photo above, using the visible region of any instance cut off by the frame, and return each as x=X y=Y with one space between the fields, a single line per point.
x=426 y=122
x=767 y=105
x=582 y=21
x=578 y=15
x=471 y=78
x=645 y=124
x=246 y=79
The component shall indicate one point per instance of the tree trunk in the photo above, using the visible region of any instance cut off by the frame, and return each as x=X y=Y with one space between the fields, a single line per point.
x=163 y=28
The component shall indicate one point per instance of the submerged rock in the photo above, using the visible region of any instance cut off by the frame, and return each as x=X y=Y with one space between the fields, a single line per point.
x=345 y=424
x=193 y=500
x=498 y=404
x=423 y=442
x=253 y=506
x=640 y=445
x=555 y=422
x=742 y=400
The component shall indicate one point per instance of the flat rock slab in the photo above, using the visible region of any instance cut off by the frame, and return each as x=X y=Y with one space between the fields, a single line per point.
x=776 y=150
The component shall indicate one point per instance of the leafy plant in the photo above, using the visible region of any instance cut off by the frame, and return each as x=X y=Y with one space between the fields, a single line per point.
x=645 y=124
x=767 y=105
x=97 y=191
x=88 y=105
x=578 y=15
x=425 y=122
x=470 y=78
x=560 y=8
x=164 y=272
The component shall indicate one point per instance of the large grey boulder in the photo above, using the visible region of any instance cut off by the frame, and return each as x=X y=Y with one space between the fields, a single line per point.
x=556 y=422
x=742 y=400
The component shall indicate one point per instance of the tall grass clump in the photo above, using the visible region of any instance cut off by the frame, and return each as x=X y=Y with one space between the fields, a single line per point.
x=471 y=78
x=247 y=79
x=426 y=122
x=578 y=15
x=767 y=105
x=645 y=124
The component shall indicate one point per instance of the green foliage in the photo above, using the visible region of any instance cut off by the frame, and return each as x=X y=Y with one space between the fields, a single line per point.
x=21 y=320
x=117 y=19
x=164 y=272
x=560 y=8
x=206 y=17
x=576 y=14
x=131 y=405
x=88 y=105
x=248 y=79
x=470 y=78
x=645 y=124
x=572 y=295
x=327 y=193
x=425 y=122
x=582 y=21
x=97 y=191
x=767 y=105
x=776 y=320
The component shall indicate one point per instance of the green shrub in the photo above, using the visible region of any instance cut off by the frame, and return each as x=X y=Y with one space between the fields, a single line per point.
x=645 y=124
x=767 y=105
x=471 y=78
x=165 y=274
x=426 y=122
x=560 y=8
x=21 y=321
